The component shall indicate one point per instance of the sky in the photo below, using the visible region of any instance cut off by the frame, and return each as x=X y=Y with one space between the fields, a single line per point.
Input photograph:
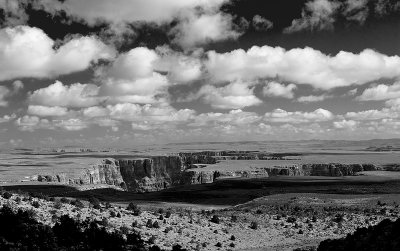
x=122 y=73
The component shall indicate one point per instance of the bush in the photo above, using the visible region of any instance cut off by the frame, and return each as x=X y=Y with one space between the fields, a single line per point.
x=156 y=225
x=152 y=239
x=77 y=203
x=168 y=214
x=132 y=207
x=124 y=230
x=291 y=219
x=36 y=204
x=7 y=195
x=254 y=225
x=64 y=200
x=215 y=219
x=57 y=204
x=149 y=223
x=95 y=202
x=382 y=237
x=20 y=231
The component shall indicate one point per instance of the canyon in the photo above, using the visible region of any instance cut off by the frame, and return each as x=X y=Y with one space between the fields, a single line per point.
x=155 y=173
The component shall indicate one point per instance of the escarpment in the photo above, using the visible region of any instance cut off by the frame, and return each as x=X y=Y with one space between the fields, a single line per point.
x=155 y=173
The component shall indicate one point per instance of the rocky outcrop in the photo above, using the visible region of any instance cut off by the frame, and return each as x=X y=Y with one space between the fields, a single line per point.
x=156 y=173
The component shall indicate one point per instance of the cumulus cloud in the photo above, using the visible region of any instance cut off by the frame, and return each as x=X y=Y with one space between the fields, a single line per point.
x=282 y=116
x=232 y=96
x=356 y=10
x=195 y=30
x=260 y=23
x=346 y=124
x=313 y=98
x=316 y=15
x=118 y=11
x=275 y=89
x=28 y=52
x=381 y=92
x=57 y=94
x=7 y=118
x=14 y=12
x=232 y=118
x=180 y=68
x=31 y=123
x=302 y=66
x=6 y=93
x=374 y=114
x=46 y=111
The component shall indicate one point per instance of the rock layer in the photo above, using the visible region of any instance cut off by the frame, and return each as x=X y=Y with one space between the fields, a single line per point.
x=160 y=172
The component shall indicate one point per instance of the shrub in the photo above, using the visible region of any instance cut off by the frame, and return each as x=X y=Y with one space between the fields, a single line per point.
x=168 y=214
x=77 y=203
x=64 y=200
x=156 y=224
x=291 y=219
x=218 y=245
x=137 y=212
x=384 y=236
x=215 y=219
x=152 y=239
x=7 y=195
x=57 y=204
x=132 y=207
x=124 y=230
x=67 y=234
x=112 y=213
x=95 y=202
x=119 y=215
x=104 y=222
x=254 y=225
x=149 y=223
x=232 y=238
x=108 y=205
x=36 y=204
x=234 y=218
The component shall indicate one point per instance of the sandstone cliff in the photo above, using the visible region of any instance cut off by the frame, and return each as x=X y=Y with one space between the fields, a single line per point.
x=156 y=173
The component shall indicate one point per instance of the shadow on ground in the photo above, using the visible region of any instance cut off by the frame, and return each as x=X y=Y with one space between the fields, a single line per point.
x=227 y=192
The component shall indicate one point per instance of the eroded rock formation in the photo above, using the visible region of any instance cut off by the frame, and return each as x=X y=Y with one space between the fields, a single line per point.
x=160 y=172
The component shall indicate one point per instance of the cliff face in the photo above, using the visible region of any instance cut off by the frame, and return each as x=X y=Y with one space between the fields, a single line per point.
x=160 y=172
x=151 y=174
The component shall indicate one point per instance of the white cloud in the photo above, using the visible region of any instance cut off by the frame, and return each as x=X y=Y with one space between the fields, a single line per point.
x=316 y=15
x=381 y=92
x=130 y=10
x=282 y=116
x=57 y=94
x=356 y=10
x=7 y=118
x=136 y=63
x=4 y=93
x=384 y=113
x=261 y=23
x=232 y=96
x=275 y=89
x=195 y=30
x=179 y=67
x=46 y=111
x=232 y=118
x=31 y=123
x=345 y=124
x=302 y=66
x=28 y=52
x=312 y=98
